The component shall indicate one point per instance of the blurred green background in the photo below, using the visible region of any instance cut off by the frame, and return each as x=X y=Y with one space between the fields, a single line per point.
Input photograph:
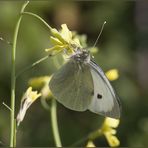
x=123 y=45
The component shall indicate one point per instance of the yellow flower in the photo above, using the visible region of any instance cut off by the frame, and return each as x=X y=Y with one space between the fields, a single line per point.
x=28 y=98
x=108 y=129
x=62 y=40
x=112 y=74
x=90 y=144
x=41 y=82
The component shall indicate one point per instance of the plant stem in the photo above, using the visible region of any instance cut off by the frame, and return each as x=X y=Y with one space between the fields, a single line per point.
x=91 y=136
x=80 y=141
x=32 y=65
x=13 y=80
x=55 y=124
x=38 y=17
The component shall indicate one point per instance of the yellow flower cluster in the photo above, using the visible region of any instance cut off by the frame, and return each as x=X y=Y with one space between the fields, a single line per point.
x=62 y=40
x=108 y=129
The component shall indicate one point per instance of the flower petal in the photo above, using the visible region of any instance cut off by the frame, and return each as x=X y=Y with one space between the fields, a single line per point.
x=66 y=33
x=90 y=144
x=55 y=41
x=76 y=42
x=56 y=48
x=112 y=140
x=57 y=35
x=112 y=122
x=41 y=83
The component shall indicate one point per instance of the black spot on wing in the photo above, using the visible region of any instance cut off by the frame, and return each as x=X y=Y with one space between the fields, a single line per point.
x=99 y=96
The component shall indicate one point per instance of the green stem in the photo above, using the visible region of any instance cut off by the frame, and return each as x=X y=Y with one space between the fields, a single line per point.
x=38 y=17
x=55 y=124
x=92 y=136
x=80 y=141
x=13 y=80
x=32 y=65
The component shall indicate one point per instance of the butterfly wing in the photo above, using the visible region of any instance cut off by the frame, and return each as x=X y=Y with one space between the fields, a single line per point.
x=72 y=85
x=105 y=100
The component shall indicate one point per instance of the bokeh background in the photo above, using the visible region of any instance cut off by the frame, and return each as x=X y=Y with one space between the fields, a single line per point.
x=123 y=45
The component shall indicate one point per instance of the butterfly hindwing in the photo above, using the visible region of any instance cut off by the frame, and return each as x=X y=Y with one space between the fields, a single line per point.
x=105 y=101
x=72 y=85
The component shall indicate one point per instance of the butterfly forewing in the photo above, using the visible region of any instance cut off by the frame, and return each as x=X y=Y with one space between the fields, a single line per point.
x=72 y=85
x=104 y=101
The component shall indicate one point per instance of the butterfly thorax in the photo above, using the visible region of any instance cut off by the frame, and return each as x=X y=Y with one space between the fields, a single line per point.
x=81 y=56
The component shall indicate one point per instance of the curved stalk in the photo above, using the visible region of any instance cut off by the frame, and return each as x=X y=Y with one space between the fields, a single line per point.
x=38 y=17
x=13 y=80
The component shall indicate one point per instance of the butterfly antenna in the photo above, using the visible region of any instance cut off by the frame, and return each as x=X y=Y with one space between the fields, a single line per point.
x=99 y=34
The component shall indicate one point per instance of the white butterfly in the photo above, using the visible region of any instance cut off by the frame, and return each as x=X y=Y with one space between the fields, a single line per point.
x=81 y=84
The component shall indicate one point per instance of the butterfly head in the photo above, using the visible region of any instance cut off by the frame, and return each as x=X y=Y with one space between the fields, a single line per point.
x=81 y=55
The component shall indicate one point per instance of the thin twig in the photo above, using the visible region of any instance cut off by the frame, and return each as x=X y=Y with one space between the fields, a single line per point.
x=32 y=65
x=91 y=136
x=7 y=106
x=83 y=139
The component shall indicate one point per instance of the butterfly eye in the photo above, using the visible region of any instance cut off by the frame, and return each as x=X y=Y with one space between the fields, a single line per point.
x=99 y=96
